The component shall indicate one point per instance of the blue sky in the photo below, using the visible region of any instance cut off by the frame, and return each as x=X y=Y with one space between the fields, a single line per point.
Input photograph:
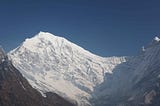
x=104 y=27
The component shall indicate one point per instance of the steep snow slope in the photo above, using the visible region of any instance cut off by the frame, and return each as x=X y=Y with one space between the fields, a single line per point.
x=52 y=63
x=16 y=91
x=133 y=83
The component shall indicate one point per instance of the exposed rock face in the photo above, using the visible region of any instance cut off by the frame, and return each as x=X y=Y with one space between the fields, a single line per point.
x=149 y=97
x=16 y=91
x=3 y=56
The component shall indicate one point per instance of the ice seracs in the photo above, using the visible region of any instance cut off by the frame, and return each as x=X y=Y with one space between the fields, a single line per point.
x=54 y=64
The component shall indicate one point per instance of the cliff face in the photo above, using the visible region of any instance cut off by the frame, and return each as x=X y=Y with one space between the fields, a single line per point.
x=16 y=91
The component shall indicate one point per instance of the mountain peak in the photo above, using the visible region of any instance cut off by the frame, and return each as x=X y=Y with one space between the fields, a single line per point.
x=47 y=36
x=1 y=51
x=42 y=34
x=42 y=39
x=154 y=42
x=46 y=41
x=157 y=39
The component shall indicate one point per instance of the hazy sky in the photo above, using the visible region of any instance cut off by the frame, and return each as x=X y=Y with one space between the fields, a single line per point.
x=104 y=27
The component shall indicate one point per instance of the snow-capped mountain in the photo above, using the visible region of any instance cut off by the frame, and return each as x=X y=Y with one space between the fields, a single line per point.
x=54 y=64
